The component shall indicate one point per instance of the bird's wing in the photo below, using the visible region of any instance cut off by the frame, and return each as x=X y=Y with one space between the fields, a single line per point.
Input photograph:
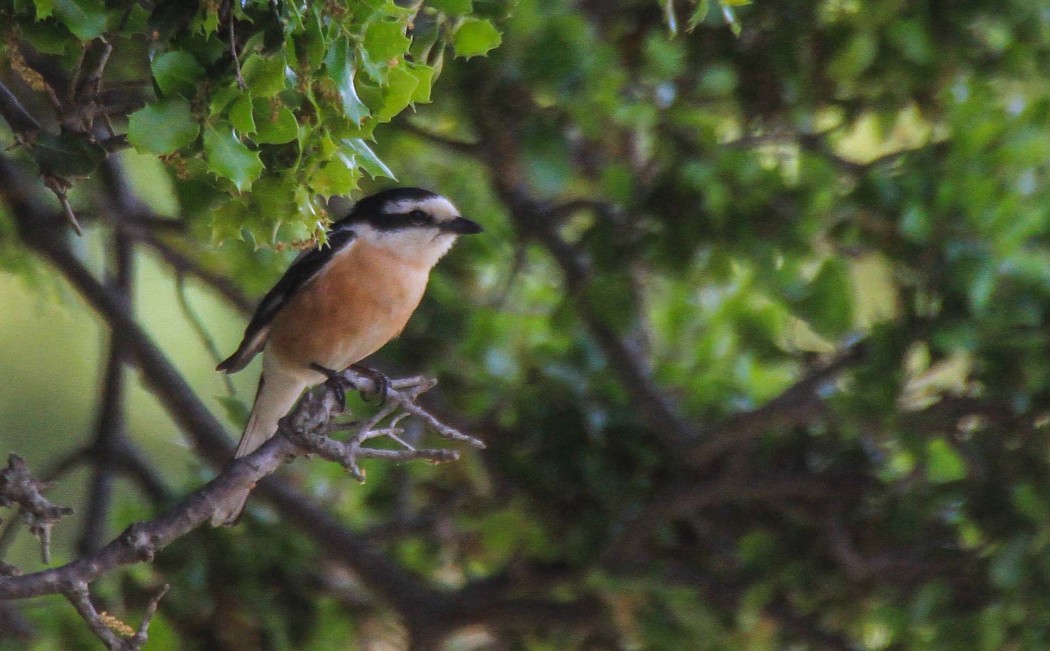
x=302 y=271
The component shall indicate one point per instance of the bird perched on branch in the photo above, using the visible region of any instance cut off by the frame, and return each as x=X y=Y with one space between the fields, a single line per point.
x=339 y=303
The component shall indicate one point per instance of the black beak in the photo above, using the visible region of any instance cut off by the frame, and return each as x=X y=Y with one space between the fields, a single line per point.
x=461 y=226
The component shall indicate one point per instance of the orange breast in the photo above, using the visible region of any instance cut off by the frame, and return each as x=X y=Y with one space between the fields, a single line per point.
x=362 y=299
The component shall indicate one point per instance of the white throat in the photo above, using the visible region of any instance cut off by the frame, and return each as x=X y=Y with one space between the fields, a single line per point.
x=421 y=246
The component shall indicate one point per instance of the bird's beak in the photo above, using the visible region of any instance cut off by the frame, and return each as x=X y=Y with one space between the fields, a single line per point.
x=461 y=226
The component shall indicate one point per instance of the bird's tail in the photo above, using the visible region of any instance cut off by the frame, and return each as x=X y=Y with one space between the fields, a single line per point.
x=276 y=396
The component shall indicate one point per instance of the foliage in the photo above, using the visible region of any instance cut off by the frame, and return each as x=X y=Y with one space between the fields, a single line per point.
x=279 y=97
x=757 y=334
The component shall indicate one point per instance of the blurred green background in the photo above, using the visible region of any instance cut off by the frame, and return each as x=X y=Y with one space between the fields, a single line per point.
x=757 y=333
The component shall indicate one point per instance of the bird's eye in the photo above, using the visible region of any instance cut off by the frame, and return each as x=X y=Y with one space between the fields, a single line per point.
x=418 y=218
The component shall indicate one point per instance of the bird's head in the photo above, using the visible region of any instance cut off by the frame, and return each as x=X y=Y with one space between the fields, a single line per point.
x=414 y=223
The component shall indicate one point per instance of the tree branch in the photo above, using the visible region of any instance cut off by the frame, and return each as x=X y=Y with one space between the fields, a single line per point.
x=303 y=431
x=21 y=122
x=797 y=404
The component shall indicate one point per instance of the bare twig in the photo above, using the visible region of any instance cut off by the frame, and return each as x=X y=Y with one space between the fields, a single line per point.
x=59 y=187
x=233 y=47
x=198 y=327
x=461 y=146
x=183 y=264
x=114 y=633
x=18 y=486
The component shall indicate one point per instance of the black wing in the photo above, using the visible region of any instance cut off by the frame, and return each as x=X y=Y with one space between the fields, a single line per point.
x=301 y=271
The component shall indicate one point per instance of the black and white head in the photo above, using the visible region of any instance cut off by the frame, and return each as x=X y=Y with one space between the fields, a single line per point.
x=414 y=223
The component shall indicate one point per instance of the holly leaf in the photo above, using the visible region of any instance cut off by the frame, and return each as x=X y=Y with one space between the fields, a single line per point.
x=275 y=127
x=177 y=72
x=264 y=75
x=163 y=127
x=475 y=37
x=367 y=159
x=67 y=154
x=341 y=70
x=230 y=158
x=85 y=18
x=452 y=7
x=386 y=40
x=241 y=114
x=397 y=94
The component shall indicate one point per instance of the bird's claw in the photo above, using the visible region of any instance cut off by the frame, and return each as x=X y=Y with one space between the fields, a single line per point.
x=379 y=379
x=337 y=383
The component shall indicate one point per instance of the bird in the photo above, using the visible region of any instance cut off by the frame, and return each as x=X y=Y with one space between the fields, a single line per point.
x=339 y=303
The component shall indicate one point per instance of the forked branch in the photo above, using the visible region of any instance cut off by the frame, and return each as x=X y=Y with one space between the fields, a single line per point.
x=304 y=431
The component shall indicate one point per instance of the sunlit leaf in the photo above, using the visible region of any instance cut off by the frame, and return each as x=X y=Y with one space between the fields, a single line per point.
x=943 y=463
x=367 y=159
x=386 y=40
x=475 y=37
x=340 y=66
x=398 y=93
x=229 y=158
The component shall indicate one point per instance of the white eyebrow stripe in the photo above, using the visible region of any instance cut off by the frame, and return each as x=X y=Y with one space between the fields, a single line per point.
x=440 y=207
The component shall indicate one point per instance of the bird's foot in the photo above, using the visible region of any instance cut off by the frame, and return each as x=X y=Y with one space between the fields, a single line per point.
x=337 y=383
x=379 y=379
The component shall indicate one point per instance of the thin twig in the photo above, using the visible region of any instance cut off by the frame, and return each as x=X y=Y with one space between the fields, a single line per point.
x=198 y=327
x=233 y=50
x=19 y=486
x=21 y=122
x=59 y=186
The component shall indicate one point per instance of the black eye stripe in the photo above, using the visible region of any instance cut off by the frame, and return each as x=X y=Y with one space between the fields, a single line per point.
x=395 y=221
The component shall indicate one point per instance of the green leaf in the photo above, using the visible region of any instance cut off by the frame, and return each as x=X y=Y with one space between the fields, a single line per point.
x=49 y=37
x=943 y=463
x=313 y=42
x=163 y=127
x=177 y=72
x=85 y=18
x=398 y=92
x=340 y=66
x=699 y=14
x=827 y=303
x=424 y=82
x=43 y=8
x=275 y=127
x=264 y=75
x=386 y=40
x=241 y=114
x=338 y=176
x=475 y=37
x=367 y=159
x=67 y=154
x=229 y=158
x=453 y=7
